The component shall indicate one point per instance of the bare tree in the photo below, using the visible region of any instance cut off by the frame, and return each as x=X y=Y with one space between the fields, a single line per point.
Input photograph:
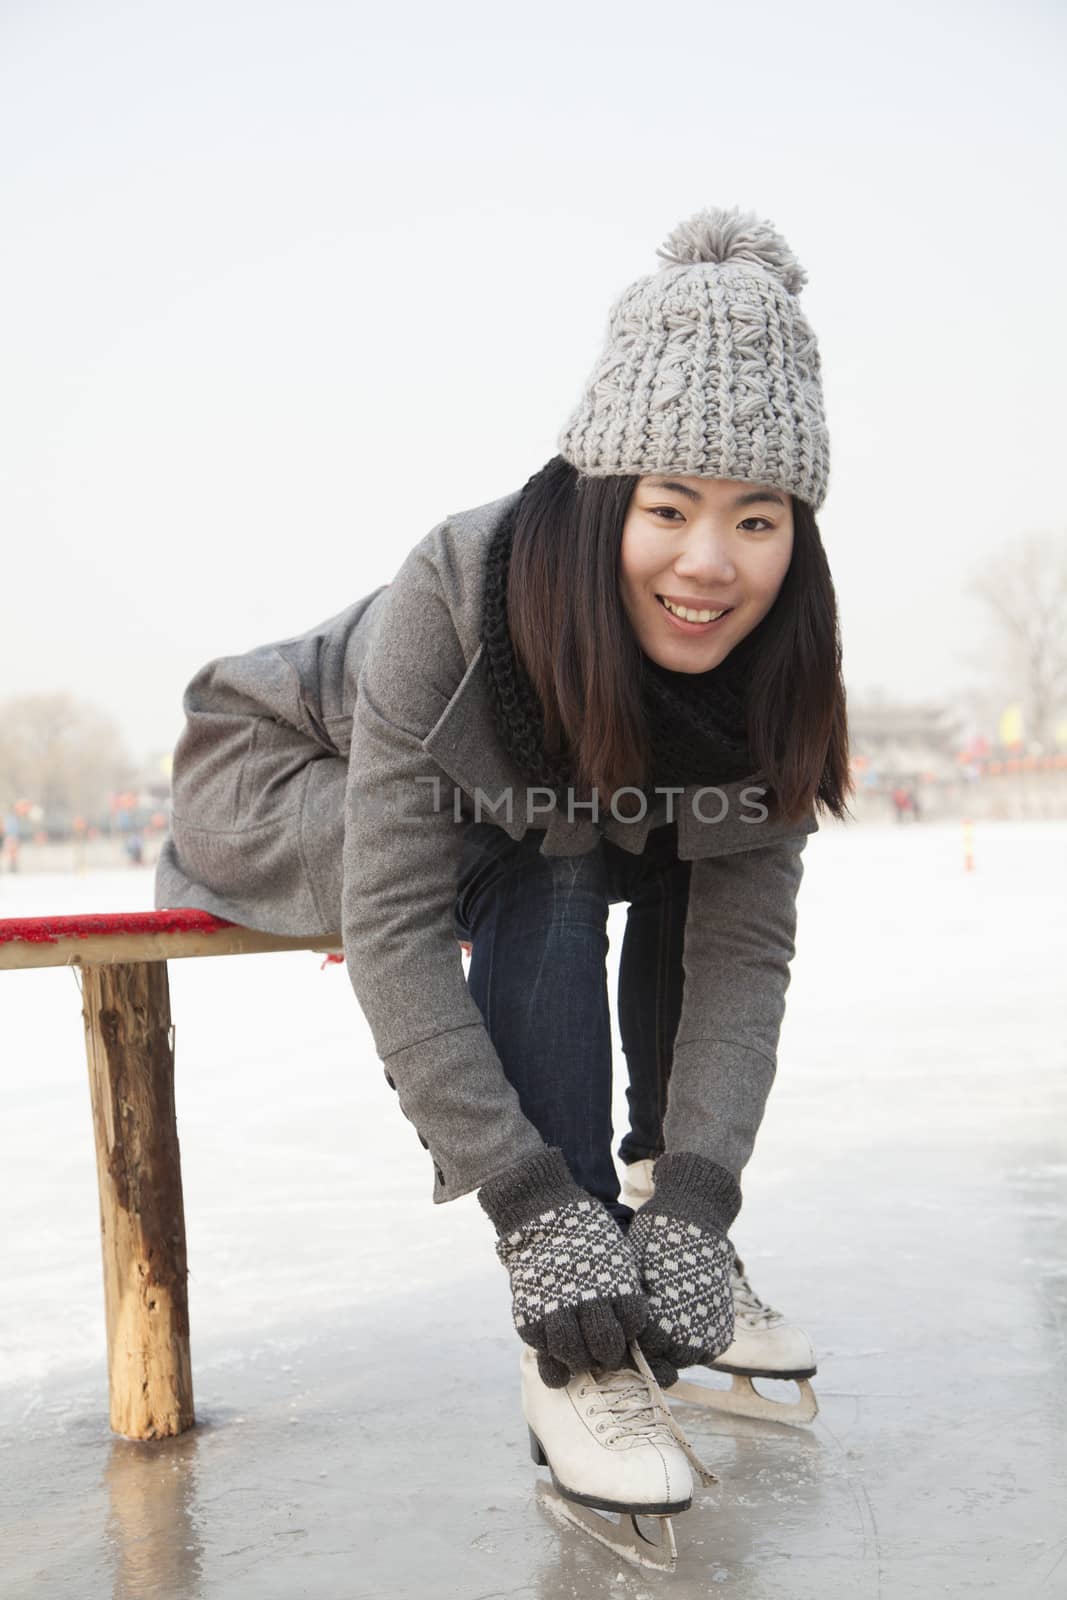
x=61 y=753
x=1024 y=595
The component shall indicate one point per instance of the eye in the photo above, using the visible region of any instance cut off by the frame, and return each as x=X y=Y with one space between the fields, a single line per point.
x=766 y=524
x=655 y=510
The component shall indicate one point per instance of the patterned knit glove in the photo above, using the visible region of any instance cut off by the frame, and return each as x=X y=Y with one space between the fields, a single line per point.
x=576 y=1295
x=679 y=1242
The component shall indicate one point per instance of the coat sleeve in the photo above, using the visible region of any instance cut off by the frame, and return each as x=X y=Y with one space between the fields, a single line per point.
x=739 y=940
x=401 y=856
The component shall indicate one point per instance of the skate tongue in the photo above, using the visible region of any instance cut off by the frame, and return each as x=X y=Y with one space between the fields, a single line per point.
x=619 y=1380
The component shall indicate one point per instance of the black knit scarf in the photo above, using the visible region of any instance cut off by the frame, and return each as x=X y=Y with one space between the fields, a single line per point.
x=695 y=721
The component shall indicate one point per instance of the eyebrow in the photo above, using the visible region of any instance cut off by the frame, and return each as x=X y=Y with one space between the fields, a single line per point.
x=750 y=497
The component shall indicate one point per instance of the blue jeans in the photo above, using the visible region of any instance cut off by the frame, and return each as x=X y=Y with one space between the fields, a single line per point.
x=538 y=974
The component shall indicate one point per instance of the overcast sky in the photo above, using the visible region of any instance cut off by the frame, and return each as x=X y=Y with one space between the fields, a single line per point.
x=285 y=284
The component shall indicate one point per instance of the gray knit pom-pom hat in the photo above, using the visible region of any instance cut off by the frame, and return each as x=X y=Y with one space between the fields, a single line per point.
x=709 y=367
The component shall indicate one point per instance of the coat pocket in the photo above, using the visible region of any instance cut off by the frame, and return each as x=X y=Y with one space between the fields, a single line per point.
x=242 y=826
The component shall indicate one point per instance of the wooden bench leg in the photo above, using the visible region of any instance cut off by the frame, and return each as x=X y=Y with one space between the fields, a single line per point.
x=126 y=1010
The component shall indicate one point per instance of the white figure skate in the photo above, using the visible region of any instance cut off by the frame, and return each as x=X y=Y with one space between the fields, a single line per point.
x=765 y=1345
x=612 y=1446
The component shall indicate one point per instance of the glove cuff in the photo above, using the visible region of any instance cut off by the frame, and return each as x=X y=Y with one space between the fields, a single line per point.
x=537 y=1183
x=700 y=1191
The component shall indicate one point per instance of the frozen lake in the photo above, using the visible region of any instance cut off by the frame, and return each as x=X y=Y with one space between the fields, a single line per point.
x=354 y=1364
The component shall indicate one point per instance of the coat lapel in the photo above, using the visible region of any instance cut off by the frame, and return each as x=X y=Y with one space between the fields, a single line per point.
x=464 y=743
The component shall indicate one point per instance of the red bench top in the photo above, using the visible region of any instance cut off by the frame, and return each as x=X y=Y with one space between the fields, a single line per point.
x=47 y=930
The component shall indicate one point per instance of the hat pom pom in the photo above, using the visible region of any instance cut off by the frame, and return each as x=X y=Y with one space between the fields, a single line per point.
x=720 y=235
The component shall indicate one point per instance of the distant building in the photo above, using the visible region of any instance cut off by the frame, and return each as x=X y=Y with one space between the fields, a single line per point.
x=904 y=739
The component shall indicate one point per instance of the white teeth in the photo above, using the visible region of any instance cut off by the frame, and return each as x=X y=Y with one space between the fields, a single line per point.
x=693 y=616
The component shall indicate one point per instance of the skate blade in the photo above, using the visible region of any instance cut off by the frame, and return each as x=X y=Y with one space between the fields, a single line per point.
x=625 y=1537
x=743 y=1399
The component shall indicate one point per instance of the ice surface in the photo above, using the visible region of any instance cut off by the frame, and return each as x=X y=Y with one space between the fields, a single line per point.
x=354 y=1363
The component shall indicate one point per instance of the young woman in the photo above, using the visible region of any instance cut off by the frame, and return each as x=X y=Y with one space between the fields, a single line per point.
x=619 y=684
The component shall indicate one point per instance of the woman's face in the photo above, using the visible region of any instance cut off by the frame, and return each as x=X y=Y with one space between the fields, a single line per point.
x=707 y=544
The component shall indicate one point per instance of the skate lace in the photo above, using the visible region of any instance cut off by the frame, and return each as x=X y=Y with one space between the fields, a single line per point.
x=626 y=1399
x=634 y=1401
x=748 y=1307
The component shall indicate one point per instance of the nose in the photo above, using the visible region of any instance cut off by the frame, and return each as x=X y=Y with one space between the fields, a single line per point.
x=706 y=560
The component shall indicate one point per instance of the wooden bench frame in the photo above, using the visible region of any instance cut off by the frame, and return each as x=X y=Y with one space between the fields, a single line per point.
x=129 y=1041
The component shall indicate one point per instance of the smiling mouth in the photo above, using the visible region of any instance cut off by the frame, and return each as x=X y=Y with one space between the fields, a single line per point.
x=711 y=619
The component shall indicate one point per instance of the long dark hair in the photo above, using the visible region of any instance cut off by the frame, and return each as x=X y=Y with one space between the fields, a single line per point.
x=577 y=645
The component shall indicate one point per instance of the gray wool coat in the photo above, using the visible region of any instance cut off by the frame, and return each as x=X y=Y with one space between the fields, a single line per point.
x=322 y=784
